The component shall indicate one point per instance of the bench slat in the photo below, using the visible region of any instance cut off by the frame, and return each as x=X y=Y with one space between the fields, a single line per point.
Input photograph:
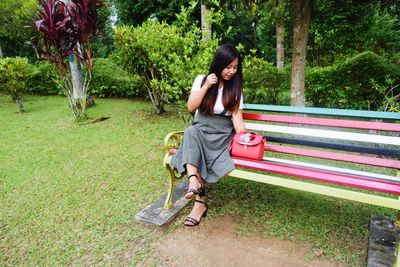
x=375 y=150
x=353 y=124
x=326 y=111
x=371 y=138
x=346 y=180
x=376 y=176
x=388 y=163
x=326 y=190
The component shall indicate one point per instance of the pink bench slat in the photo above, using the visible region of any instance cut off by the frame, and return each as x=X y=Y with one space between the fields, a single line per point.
x=323 y=176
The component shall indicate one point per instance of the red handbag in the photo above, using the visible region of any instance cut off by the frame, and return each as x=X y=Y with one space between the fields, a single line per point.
x=248 y=145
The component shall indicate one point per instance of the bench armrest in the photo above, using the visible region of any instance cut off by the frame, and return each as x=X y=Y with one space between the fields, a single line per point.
x=173 y=140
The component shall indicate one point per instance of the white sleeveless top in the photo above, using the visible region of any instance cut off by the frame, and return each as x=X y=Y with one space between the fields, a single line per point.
x=218 y=107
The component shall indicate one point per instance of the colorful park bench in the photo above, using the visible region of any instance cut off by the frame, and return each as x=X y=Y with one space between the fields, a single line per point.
x=348 y=142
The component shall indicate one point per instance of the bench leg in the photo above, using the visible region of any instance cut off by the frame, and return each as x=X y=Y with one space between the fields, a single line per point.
x=398 y=257
x=172 y=176
x=397 y=222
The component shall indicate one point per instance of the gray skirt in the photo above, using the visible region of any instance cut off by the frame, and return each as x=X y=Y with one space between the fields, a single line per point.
x=205 y=145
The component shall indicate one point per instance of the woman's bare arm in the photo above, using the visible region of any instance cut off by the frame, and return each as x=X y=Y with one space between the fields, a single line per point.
x=196 y=97
x=237 y=119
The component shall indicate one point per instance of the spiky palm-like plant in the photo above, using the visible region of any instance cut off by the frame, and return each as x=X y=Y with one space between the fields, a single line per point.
x=65 y=29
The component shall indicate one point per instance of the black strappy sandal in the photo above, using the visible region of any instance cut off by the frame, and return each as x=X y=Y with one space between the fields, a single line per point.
x=194 y=221
x=191 y=193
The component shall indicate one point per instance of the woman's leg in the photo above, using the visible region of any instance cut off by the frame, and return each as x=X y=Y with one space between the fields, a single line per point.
x=195 y=181
x=198 y=212
x=199 y=207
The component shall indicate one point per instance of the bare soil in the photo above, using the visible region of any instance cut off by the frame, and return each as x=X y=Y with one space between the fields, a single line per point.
x=215 y=243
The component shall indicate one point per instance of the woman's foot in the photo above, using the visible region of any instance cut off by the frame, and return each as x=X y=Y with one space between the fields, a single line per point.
x=195 y=187
x=199 y=211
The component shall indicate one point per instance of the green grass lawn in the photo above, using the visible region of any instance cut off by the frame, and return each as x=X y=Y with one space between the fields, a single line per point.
x=68 y=192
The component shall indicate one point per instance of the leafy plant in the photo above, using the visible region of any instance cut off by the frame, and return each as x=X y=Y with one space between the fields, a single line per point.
x=65 y=30
x=43 y=79
x=14 y=16
x=391 y=101
x=167 y=57
x=263 y=82
x=13 y=74
x=391 y=96
x=352 y=83
x=110 y=79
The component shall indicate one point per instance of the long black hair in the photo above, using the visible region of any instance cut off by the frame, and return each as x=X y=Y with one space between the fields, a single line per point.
x=233 y=88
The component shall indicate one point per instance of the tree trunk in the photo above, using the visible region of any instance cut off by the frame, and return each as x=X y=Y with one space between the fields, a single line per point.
x=153 y=90
x=19 y=100
x=280 y=36
x=301 y=23
x=78 y=96
x=280 y=50
x=205 y=27
x=157 y=101
x=78 y=92
x=1 y=52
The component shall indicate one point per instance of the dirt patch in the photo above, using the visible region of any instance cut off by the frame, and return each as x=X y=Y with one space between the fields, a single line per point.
x=215 y=243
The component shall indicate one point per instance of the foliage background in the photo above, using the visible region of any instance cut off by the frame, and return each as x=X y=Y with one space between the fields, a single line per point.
x=339 y=31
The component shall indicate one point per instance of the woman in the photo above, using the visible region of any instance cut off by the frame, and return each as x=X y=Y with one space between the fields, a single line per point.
x=203 y=153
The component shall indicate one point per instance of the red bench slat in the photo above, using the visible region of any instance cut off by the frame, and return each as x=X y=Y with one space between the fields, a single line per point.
x=323 y=176
x=353 y=124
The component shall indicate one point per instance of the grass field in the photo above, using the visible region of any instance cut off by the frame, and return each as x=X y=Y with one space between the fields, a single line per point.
x=69 y=192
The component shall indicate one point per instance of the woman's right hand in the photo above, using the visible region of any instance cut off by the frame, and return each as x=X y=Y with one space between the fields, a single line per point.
x=196 y=96
x=211 y=80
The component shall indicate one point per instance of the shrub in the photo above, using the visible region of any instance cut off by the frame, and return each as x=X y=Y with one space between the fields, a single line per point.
x=110 y=79
x=13 y=73
x=323 y=87
x=167 y=57
x=43 y=79
x=264 y=83
x=351 y=83
x=161 y=54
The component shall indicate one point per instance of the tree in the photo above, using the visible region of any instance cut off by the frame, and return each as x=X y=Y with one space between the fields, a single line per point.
x=161 y=54
x=205 y=26
x=136 y=12
x=239 y=22
x=343 y=28
x=13 y=74
x=14 y=16
x=274 y=12
x=65 y=31
x=280 y=34
x=301 y=23
x=103 y=44
x=255 y=24
x=166 y=57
